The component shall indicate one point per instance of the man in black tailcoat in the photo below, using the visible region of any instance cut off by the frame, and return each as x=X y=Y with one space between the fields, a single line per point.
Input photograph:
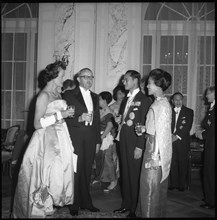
x=84 y=129
x=182 y=120
x=208 y=135
x=133 y=109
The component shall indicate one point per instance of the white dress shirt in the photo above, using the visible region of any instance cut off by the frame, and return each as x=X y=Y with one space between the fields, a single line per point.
x=212 y=105
x=177 y=111
x=129 y=101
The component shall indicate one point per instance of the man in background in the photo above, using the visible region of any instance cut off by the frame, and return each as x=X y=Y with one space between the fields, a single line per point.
x=182 y=120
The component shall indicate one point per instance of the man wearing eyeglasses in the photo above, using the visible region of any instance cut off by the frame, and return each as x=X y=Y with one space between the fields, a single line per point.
x=84 y=129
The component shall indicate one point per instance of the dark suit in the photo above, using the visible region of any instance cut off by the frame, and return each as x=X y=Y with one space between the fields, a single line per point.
x=209 y=157
x=130 y=167
x=84 y=140
x=179 y=164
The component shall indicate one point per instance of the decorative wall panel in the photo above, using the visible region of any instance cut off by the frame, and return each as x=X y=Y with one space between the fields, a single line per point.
x=65 y=33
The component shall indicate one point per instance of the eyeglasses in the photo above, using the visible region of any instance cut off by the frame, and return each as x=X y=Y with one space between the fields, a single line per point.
x=87 y=77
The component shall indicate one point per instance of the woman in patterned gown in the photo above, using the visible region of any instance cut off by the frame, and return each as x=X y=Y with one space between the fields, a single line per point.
x=106 y=158
x=158 y=152
x=46 y=176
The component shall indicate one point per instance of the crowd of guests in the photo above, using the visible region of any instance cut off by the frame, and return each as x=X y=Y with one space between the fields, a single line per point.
x=99 y=139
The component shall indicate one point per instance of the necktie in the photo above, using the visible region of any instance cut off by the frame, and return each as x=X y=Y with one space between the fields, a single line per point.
x=177 y=109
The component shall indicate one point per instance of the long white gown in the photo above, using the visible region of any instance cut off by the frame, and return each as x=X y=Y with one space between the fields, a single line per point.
x=47 y=167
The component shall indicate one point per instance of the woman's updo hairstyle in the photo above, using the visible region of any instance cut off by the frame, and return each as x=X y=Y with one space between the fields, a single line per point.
x=161 y=78
x=50 y=72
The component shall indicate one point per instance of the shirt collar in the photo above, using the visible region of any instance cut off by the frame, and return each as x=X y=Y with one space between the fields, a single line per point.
x=84 y=90
x=177 y=109
x=212 y=104
x=135 y=91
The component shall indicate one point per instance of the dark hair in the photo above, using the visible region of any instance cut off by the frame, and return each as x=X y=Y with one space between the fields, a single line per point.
x=118 y=88
x=144 y=79
x=68 y=83
x=135 y=75
x=120 y=81
x=105 y=95
x=211 y=89
x=75 y=78
x=84 y=70
x=161 y=78
x=50 y=72
x=177 y=93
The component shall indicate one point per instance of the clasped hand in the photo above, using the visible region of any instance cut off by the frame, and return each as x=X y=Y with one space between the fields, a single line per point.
x=137 y=153
x=118 y=119
x=142 y=128
x=86 y=117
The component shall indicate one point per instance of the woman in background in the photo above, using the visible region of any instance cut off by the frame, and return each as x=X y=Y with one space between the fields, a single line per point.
x=106 y=158
x=46 y=176
x=119 y=93
x=68 y=84
x=158 y=151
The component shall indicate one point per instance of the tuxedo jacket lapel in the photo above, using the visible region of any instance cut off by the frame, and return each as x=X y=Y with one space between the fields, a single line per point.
x=94 y=100
x=181 y=113
x=173 y=120
x=123 y=105
x=80 y=98
x=131 y=106
x=135 y=99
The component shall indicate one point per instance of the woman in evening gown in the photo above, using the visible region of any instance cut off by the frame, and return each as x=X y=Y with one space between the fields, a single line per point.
x=46 y=176
x=119 y=93
x=158 y=151
x=106 y=158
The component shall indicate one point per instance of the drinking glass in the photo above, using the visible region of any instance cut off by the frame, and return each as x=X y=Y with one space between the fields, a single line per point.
x=71 y=108
x=91 y=118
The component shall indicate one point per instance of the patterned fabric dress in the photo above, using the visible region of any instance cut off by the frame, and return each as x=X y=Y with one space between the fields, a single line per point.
x=154 y=172
x=46 y=176
x=110 y=155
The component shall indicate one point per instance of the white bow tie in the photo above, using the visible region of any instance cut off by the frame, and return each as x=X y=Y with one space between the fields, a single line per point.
x=177 y=109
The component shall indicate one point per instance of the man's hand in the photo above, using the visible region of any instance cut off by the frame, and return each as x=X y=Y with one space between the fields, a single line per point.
x=137 y=153
x=198 y=134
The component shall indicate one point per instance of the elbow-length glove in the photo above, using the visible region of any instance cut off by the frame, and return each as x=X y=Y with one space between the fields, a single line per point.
x=50 y=120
